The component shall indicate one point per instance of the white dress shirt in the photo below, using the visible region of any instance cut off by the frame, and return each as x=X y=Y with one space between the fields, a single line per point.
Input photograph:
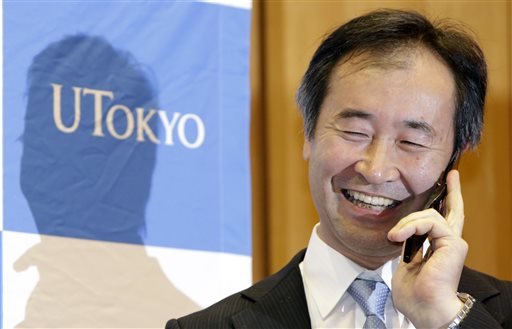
x=327 y=275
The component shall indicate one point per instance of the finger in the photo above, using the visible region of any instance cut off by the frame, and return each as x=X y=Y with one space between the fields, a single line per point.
x=433 y=225
x=413 y=217
x=454 y=202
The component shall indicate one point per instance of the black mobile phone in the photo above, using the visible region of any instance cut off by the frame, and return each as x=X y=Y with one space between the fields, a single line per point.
x=436 y=201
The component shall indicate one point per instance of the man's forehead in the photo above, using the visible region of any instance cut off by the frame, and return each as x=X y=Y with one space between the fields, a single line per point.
x=391 y=60
x=401 y=58
x=420 y=59
x=430 y=79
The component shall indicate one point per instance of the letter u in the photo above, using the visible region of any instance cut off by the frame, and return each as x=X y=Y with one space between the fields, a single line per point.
x=57 y=108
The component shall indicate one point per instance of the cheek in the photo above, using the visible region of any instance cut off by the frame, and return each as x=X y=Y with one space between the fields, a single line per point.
x=331 y=158
x=422 y=176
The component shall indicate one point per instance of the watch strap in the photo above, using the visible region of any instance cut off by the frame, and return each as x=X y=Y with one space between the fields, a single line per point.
x=468 y=301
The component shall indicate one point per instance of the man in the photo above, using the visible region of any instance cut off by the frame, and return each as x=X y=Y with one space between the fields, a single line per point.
x=388 y=100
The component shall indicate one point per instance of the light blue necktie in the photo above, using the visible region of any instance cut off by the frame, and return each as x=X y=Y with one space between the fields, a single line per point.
x=371 y=296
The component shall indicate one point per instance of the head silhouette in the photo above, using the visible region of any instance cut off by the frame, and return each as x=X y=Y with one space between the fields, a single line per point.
x=79 y=183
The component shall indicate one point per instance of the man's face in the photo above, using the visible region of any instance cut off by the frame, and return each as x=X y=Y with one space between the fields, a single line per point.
x=383 y=138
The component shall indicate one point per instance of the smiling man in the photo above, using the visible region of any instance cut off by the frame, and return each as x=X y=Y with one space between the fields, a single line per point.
x=383 y=137
x=388 y=100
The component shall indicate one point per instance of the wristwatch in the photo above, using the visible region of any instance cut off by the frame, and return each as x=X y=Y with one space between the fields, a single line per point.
x=468 y=301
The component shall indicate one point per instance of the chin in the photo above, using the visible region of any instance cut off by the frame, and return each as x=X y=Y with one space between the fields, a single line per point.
x=365 y=241
x=377 y=242
x=384 y=252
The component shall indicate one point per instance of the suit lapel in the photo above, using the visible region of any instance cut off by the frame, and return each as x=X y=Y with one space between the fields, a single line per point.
x=475 y=284
x=279 y=302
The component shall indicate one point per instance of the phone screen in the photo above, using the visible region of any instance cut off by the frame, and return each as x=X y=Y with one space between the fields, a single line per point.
x=436 y=201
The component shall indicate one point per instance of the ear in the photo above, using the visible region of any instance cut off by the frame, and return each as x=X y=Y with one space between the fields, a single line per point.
x=306 y=149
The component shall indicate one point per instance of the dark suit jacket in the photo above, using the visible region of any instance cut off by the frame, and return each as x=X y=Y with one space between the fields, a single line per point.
x=279 y=302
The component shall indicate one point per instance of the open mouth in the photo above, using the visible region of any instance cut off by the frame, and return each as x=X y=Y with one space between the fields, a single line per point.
x=369 y=202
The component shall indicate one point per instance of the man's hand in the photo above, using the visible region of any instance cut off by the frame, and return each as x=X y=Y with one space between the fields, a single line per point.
x=425 y=290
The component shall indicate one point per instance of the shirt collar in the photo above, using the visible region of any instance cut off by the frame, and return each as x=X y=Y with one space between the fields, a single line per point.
x=328 y=274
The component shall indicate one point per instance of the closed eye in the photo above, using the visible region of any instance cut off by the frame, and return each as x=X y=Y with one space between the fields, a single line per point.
x=412 y=145
x=354 y=135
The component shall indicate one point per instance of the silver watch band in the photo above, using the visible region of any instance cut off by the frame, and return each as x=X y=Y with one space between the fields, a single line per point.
x=468 y=301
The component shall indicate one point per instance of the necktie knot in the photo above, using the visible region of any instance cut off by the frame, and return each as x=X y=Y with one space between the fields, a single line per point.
x=371 y=296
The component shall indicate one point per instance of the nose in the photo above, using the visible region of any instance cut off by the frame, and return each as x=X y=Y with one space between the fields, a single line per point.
x=378 y=165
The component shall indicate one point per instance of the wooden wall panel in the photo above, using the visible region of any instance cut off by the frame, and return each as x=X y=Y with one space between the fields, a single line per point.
x=258 y=150
x=289 y=32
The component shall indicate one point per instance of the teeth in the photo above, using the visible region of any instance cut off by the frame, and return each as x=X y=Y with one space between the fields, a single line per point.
x=370 y=200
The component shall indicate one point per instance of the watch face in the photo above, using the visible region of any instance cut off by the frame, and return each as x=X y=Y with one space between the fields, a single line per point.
x=463 y=296
x=466 y=298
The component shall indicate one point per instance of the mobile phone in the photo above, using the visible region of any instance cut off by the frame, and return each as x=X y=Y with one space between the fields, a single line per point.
x=436 y=201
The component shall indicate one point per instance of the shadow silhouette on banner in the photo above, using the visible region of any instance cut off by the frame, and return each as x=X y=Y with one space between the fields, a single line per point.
x=86 y=173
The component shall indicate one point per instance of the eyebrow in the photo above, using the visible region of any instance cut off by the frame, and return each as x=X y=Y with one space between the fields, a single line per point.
x=420 y=125
x=353 y=113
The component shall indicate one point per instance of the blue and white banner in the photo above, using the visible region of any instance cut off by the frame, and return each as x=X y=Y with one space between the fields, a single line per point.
x=126 y=182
